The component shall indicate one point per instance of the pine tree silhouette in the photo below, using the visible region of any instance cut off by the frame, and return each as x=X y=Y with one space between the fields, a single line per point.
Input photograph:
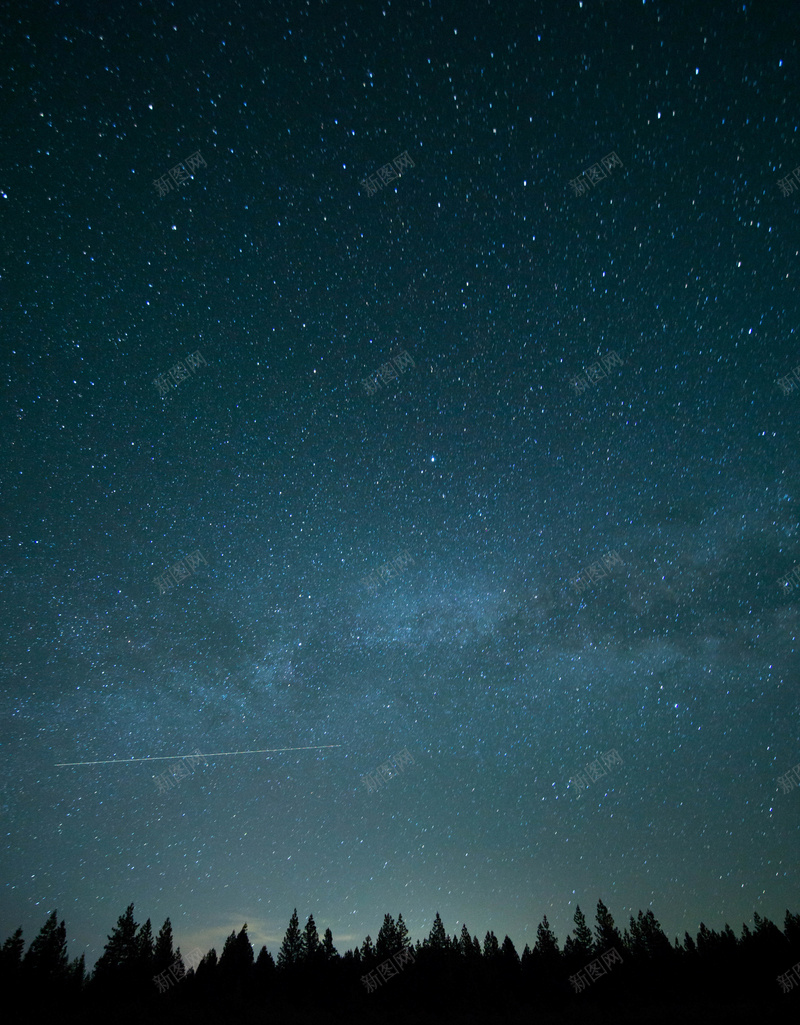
x=291 y=950
x=116 y=966
x=163 y=954
x=606 y=932
x=401 y=933
x=387 y=941
x=46 y=959
x=546 y=952
x=328 y=948
x=452 y=977
x=311 y=949
x=583 y=947
x=437 y=938
x=491 y=948
x=145 y=953
x=11 y=956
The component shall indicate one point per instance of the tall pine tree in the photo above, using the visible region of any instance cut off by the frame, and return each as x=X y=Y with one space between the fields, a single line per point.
x=145 y=950
x=291 y=950
x=163 y=954
x=401 y=933
x=437 y=938
x=546 y=953
x=311 y=951
x=328 y=949
x=11 y=962
x=387 y=941
x=491 y=948
x=582 y=945
x=46 y=960
x=606 y=932
x=118 y=962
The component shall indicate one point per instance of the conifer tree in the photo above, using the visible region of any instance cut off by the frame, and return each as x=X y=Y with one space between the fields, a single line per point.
x=508 y=952
x=11 y=954
x=386 y=943
x=207 y=969
x=491 y=948
x=546 y=947
x=606 y=932
x=236 y=959
x=791 y=929
x=706 y=940
x=437 y=938
x=310 y=942
x=328 y=948
x=401 y=933
x=658 y=945
x=264 y=961
x=163 y=954
x=634 y=940
x=244 y=950
x=46 y=959
x=76 y=975
x=583 y=945
x=227 y=958
x=291 y=950
x=265 y=967
x=145 y=950
x=728 y=940
x=465 y=943
x=118 y=961
x=768 y=940
x=367 y=950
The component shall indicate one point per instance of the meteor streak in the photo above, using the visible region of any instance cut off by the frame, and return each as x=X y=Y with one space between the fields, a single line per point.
x=208 y=754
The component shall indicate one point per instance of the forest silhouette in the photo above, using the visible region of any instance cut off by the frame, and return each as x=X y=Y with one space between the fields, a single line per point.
x=140 y=977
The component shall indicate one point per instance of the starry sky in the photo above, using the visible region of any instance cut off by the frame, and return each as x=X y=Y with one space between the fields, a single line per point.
x=497 y=458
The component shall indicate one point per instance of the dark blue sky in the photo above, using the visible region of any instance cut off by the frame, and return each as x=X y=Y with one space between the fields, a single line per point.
x=501 y=479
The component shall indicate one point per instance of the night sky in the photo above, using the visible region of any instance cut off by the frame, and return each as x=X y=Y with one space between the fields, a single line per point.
x=583 y=371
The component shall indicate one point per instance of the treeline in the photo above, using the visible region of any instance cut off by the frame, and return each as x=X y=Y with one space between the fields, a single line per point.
x=141 y=976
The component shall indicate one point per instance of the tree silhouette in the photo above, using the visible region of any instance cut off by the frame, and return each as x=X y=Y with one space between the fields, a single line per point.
x=46 y=958
x=387 y=942
x=145 y=952
x=401 y=933
x=452 y=978
x=163 y=955
x=11 y=952
x=437 y=938
x=117 y=964
x=76 y=975
x=791 y=929
x=291 y=950
x=491 y=948
x=546 y=952
x=236 y=959
x=508 y=953
x=605 y=931
x=311 y=950
x=328 y=948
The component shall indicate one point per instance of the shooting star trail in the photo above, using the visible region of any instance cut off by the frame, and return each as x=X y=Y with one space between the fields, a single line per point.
x=208 y=754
